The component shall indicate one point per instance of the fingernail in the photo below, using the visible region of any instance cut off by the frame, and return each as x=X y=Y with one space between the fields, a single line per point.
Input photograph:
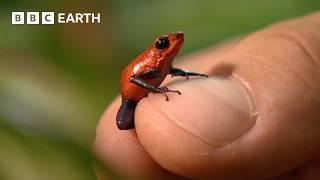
x=217 y=110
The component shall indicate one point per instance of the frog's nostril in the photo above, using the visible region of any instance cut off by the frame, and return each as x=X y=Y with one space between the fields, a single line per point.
x=179 y=35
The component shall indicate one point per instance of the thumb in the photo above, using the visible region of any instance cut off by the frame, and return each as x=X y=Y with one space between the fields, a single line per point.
x=216 y=110
x=259 y=120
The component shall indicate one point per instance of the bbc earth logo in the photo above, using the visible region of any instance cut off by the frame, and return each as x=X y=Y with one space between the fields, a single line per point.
x=52 y=18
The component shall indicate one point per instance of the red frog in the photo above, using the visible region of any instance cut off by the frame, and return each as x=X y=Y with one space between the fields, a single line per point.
x=145 y=74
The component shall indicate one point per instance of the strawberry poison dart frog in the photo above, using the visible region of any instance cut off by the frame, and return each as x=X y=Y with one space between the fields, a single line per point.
x=145 y=74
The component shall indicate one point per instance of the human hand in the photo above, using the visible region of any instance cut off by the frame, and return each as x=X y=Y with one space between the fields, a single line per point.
x=257 y=117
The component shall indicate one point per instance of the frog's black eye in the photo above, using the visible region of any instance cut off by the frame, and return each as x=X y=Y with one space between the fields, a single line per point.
x=162 y=43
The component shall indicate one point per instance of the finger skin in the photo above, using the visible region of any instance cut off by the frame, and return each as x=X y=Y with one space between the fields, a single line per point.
x=279 y=67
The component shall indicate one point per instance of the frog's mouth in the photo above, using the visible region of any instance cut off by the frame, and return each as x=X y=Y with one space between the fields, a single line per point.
x=176 y=39
x=176 y=42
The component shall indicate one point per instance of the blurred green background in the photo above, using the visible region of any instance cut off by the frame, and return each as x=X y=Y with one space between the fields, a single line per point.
x=56 y=80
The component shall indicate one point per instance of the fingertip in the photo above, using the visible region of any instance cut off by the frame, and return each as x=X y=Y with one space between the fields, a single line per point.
x=183 y=134
x=111 y=145
x=119 y=152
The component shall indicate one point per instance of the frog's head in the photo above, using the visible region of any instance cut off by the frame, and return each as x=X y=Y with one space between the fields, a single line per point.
x=168 y=46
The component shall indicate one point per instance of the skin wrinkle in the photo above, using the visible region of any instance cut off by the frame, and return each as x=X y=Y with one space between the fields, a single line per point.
x=315 y=34
x=291 y=67
x=298 y=173
x=297 y=35
x=306 y=52
x=117 y=141
x=260 y=63
x=270 y=66
x=295 y=38
x=256 y=60
x=303 y=80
